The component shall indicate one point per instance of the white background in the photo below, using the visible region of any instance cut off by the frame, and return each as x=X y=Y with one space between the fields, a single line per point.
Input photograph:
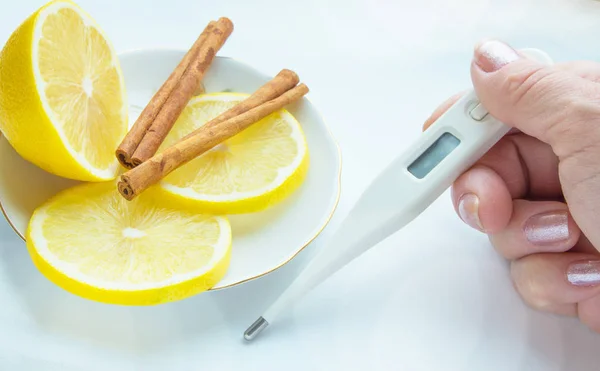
x=434 y=296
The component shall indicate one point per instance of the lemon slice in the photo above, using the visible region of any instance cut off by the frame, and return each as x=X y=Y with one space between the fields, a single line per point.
x=63 y=104
x=249 y=172
x=91 y=242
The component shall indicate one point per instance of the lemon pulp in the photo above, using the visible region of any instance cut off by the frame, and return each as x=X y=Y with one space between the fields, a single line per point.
x=249 y=172
x=92 y=242
x=63 y=104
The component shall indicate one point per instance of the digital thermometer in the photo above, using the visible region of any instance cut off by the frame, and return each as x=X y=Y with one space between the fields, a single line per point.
x=414 y=180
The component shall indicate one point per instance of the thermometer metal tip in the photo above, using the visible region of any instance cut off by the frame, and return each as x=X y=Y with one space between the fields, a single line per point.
x=411 y=182
x=256 y=328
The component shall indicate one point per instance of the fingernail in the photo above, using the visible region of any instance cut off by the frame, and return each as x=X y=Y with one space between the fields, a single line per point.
x=491 y=55
x=585 y=273
x=547 y=228
x=468 y=209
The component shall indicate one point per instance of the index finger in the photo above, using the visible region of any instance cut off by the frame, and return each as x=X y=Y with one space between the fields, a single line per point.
x=441 y=109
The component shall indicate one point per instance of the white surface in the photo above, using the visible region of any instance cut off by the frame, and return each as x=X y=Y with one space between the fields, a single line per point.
x=434 y=296
x=262 y=241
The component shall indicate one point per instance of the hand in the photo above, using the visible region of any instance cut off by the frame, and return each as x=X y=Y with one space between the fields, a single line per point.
x=536 y=193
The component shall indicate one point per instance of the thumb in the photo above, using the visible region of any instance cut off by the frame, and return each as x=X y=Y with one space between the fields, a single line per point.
x=551 y=104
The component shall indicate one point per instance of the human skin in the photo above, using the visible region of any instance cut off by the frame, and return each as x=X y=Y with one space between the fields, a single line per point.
x=536 y=193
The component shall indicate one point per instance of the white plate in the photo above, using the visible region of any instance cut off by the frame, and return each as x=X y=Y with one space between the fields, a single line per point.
x=262 y=242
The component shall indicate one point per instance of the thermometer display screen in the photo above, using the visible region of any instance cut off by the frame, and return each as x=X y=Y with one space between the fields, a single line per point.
x=433 y=155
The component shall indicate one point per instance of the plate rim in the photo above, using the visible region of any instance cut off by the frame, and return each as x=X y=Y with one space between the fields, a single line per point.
x=305 y=244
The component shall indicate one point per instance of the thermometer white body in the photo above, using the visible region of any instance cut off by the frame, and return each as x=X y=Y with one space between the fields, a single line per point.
x=402 y=191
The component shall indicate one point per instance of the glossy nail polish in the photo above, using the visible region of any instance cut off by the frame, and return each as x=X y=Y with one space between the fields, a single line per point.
x=584 y=273
x=492 y=55
x=548 y=228
x=468 y=209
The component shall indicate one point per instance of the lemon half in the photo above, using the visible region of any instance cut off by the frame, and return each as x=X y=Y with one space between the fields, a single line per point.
x=63 y=103
x=251 y=171
x=92 y=242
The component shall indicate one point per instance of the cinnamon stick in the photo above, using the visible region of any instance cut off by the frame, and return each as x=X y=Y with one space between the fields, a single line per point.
x=138 y=179
x=133 y=138
x=282 y=82
x=183 y=92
